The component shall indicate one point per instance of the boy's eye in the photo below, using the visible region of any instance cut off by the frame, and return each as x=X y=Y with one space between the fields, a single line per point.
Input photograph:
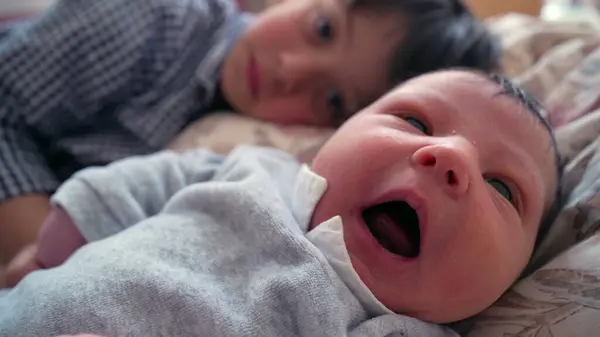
x=502 y=188
x=417 y=124
x=324 y=29
x=335 y=105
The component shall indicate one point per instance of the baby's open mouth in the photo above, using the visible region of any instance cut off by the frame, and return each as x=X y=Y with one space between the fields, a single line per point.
x=395 y=225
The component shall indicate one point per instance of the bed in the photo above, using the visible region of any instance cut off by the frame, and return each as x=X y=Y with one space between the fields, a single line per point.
x=560 y=64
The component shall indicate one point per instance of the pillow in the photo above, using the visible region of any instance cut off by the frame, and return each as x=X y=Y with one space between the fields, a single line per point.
x=223 y=131
x=559 y=299
x=556 y=61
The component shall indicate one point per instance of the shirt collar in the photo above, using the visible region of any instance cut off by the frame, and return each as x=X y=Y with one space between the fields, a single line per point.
x=309 y=189
x=328 y=237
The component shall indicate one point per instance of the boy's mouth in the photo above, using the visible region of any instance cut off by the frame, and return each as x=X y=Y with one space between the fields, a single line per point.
x=395 y=225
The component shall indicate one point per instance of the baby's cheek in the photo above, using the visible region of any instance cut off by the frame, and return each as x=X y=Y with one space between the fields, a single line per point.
x=464 y=292
x=480 y=272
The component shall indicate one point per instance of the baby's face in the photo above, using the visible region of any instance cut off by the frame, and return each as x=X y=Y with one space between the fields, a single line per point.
x=441 y=186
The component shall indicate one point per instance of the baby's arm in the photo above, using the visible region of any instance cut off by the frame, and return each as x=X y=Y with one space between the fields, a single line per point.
x=103 y=201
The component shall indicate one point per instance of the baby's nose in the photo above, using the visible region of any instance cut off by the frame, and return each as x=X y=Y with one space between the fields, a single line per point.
x=450 y=164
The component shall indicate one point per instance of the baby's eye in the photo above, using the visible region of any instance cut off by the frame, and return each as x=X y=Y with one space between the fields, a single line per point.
x=335 y=105
x=324 y=29
x=501 y=187
x=417 y=124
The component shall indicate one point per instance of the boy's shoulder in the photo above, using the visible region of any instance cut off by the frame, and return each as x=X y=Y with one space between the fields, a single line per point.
x=174 y=9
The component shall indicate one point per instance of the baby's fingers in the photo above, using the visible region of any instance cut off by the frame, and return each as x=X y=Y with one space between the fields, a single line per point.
x=24 y=263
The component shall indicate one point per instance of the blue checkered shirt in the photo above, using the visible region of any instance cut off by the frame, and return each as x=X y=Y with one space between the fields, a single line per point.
x=92 y=81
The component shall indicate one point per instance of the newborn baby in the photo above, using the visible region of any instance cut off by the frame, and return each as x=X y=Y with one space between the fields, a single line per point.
x=423 y=208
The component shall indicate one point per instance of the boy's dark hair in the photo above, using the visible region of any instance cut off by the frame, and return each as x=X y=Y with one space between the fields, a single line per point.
x=439 y=34
x=532 y=105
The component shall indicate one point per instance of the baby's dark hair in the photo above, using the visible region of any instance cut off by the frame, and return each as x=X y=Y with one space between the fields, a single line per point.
x=438 y=34
x=532 y=105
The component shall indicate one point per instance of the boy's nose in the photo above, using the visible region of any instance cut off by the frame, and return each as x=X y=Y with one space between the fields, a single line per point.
x=298 y=72
x=451 y=164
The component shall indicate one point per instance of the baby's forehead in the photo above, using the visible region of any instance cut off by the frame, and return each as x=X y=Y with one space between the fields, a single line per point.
x=473 y=91
x=466 y=81
x=461 y=90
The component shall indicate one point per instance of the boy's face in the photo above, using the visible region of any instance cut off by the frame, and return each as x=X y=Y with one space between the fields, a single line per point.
x=310 y=62
x=441 y=186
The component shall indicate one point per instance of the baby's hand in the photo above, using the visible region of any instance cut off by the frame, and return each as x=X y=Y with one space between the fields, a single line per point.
x=24 y=263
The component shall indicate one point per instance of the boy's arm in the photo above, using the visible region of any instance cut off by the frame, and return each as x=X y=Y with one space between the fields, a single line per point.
x=62 y=70
x=20 y=220
x=25 y=179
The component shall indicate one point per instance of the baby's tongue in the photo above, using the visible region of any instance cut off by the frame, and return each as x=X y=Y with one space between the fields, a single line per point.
x=389 y=233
